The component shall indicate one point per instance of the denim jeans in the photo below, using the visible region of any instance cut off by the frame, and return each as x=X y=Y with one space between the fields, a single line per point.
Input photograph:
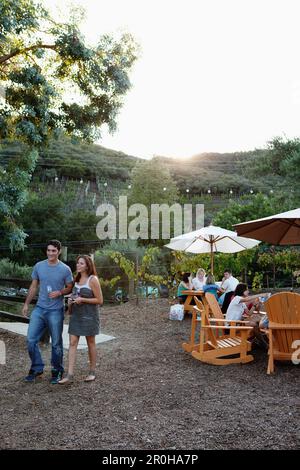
x=41 y=319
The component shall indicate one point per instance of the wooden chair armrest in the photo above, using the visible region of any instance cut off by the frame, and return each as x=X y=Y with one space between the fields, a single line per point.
x=228 y=321
x=284 y=326
x=216 y=327
x=195 y=308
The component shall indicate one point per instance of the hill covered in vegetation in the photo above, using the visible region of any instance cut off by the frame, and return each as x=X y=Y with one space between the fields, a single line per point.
x=207 y=173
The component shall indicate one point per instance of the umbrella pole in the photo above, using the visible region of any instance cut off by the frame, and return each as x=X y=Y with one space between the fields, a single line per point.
x=211 y=255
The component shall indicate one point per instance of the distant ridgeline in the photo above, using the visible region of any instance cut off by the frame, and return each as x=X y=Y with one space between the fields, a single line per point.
x=210 y=174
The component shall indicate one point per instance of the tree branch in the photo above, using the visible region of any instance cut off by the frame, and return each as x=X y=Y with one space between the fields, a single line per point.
x=6 y=57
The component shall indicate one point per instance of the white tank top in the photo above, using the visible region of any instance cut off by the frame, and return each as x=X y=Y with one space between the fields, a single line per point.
x=87 y=284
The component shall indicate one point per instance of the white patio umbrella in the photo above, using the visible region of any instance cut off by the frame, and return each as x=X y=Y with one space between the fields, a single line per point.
x=211 y=239
x=278 y=229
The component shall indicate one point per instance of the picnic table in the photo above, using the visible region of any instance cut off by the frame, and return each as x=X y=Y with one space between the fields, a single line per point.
x=188 y=307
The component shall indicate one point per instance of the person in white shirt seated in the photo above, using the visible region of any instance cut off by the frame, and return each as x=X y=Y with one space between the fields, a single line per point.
x=238 y=306
x=229 y=284
x=200 y=280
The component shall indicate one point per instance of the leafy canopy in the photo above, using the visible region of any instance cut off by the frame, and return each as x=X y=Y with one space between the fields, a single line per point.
x=52 y=82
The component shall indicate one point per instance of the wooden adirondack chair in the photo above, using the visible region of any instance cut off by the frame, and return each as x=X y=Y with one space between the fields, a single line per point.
x=283 y=310
x=214 y=311
x=215 y=348
x=196 y=320
x=213 y=306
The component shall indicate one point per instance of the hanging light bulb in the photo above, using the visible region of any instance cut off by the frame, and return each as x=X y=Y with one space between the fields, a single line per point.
x=187 y=190
x=208 y=191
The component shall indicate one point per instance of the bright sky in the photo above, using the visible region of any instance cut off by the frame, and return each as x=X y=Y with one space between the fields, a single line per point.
x=215 y=75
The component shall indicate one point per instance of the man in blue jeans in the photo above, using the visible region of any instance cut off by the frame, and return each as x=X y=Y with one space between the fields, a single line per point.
x=54 y=280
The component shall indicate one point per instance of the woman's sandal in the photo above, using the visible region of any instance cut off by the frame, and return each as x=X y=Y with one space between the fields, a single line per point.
x=66 y=380
x=91 y=377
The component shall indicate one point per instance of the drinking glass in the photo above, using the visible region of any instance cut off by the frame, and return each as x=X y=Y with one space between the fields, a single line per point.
x=49 y=290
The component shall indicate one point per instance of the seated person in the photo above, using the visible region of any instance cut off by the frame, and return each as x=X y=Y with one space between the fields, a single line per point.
x=229 y=284
x=261 y=334
x=264 y=323
x=227 y=299
x=185 y=284
x=211 y=286
x=200 y=279
x=238 y=306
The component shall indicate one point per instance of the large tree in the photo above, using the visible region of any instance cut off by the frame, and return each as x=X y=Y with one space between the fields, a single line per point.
x=51 y=82
x=151 y=184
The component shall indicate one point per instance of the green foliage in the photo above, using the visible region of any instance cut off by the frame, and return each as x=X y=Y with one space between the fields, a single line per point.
x=40 y=61
x=55 y=215
x=255 y=207
x=152 y=184
x=240 y=263
x=291 y=165
x=144 y=272
x=281 y=150
x=257 y=282
x=36 y=83
x=13 y=183
x=149 y=178
x=285 y=261
x=280 y=158
x=8 y=269
x=66 y=158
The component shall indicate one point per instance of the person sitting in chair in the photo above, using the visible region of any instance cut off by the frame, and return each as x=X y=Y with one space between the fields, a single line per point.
x=229 y=284
x=185 y=284
x=200 y=279
x=211 y=286
x=240 y=302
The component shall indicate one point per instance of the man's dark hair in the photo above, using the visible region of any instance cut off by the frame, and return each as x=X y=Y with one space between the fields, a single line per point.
x=240 y=289
x=55 y=243
x=227 y=271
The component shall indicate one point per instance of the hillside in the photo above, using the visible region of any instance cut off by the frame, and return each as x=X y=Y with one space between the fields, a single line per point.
x=106 y=171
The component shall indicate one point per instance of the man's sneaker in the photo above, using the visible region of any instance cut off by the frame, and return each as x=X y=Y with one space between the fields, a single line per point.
x=32 y=375
x=56 y=376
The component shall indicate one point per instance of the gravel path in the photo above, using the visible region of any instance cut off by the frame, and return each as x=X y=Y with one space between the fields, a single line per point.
x=149 y=394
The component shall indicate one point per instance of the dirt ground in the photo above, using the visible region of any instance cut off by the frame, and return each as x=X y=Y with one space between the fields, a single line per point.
x=149 y=394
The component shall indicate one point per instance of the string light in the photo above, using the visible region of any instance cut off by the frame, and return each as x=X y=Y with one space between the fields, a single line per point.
x=81 y=181
x=187 y=190
x=208 y=191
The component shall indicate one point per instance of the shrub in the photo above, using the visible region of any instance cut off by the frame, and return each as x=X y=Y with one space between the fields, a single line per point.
x=9 y=269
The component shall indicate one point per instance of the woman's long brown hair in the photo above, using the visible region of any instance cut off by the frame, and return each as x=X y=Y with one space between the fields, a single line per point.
x=91 y=268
